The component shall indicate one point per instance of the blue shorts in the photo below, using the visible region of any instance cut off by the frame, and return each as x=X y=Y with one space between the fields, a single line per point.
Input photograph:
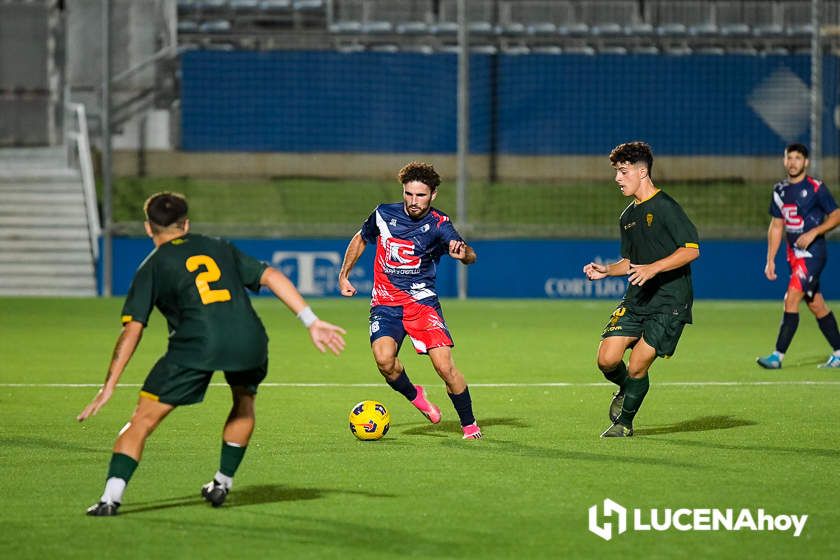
x=805 y=274
x=424 y=324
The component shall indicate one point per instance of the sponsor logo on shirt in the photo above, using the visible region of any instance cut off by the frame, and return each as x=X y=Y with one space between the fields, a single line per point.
x=399 y=254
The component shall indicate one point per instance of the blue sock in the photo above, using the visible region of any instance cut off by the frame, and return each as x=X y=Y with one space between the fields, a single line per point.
x=403 y=384
x=463 y=406
x=790 y=321
x=828 y=326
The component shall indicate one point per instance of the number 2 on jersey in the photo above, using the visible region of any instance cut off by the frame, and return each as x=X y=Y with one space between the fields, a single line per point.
x=202 y=281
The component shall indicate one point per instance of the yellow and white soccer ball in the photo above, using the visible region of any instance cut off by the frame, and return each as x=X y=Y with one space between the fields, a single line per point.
x=369 y=420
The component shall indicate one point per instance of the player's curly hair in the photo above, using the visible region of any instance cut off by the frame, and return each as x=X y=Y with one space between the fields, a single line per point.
x=165 y=209
x=633 y=152
x=797 y=147
x=419 y=171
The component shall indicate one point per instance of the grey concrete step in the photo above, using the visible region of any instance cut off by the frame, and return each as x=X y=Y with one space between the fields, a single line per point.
x=55 y=282
x=47 y=291
x=59 y=220
x=45 y=152
x=12 y=270
x=42 y=210
x=46 y=256
x=33 y=187
x=30 y=174
x=48 y=233
x=46 y=199
x=43 y=245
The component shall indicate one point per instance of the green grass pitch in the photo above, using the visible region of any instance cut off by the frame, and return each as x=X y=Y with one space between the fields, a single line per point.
x=715 y=432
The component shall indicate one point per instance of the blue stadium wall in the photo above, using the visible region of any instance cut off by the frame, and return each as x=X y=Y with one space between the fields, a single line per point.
x=302 y=101
x=511 y=269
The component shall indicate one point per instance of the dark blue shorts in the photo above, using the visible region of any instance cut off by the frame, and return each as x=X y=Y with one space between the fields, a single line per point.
x=424 y=324
x=805 y=274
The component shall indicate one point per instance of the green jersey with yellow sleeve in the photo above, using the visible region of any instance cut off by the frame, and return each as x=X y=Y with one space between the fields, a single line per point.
x=200 y=286
x=651 y=230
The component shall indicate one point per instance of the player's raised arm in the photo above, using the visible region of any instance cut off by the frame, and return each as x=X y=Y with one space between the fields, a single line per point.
x=127 y=342
x=324 y=335
x=354 y=250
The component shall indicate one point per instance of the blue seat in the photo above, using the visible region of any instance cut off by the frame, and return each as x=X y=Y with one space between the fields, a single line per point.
x=607 y=29
x=573 y=30
x=413 y=28
x=244 y=6
x=643 y=29
x=799 y=29
x=710 y=50
x=346 y=27
x=617 y=49
x=275 y=6
x=545 y=28
x=187 y=26
x=735 y=30
x=445 y=28
x=547 y=49
x=215 y=26
x=308 y=5
x=514 y=29
x=768 y=30
x=377 y=27
x=707 y=29
x=580 y=49
x=671 y=30
x=645 y=49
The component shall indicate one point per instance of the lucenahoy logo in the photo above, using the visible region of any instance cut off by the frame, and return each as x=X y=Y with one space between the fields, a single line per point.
x=689 y=519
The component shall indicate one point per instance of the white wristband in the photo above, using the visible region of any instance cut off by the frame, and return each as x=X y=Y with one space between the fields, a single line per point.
x=307 y=316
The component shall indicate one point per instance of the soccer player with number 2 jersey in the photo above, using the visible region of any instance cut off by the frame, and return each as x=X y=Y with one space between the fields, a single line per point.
x=200 y=286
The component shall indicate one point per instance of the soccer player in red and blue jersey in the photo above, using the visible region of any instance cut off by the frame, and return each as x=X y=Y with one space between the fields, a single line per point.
x=805 y=211
x=411 y=237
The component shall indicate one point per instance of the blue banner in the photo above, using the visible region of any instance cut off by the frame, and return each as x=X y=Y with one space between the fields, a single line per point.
x=511 y=269
x=535 y=104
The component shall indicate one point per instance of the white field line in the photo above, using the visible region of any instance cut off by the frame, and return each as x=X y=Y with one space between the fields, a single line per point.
x=483 y=385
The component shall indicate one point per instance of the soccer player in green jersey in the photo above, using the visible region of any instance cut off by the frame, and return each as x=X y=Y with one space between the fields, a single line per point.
x=658 y=241
x=199 y=285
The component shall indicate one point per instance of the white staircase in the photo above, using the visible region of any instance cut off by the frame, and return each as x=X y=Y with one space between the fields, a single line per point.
x=45 y=240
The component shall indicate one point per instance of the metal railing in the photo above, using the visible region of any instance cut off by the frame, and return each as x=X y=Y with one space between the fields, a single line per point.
x=77 y=142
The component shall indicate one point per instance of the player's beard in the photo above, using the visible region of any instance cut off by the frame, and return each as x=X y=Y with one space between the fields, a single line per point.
x=415 y=212
x=795 y=171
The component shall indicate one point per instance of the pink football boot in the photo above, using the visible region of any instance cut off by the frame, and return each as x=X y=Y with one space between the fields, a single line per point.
x=472 y=431
x=422 y=404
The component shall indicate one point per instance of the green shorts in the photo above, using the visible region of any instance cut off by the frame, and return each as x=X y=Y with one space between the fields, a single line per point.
x=177 y=385
x=661 y=330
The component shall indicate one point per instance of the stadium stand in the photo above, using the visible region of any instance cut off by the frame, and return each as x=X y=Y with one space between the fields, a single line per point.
x=701 y=26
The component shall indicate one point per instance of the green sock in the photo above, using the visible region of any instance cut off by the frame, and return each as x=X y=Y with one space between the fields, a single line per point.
x=121 y=466
x=618 y=375
x=634 y=393
x=231 y=457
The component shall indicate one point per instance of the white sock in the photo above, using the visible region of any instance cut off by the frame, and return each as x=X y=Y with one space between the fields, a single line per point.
x=226 y=481
x=114 y=489
x=780 y=355
x=836 y=353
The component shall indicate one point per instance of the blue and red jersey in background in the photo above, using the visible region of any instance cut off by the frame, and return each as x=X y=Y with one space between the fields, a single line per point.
x=802 y=206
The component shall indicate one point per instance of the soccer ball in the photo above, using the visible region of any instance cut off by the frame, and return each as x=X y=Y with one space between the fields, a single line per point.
x=369 y=420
